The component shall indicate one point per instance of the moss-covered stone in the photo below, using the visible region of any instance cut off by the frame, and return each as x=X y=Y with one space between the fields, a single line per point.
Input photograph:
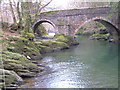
x=30 y=36
x=15 y=56
x=100 y=36
x=66 y=39
x=54 y=45
x=45 y=49
x=60 y=37
x=9 y=78
x=25 y=47
x=17 y=62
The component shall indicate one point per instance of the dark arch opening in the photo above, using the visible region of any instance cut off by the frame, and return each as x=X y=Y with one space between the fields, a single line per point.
x=108 y=24
x=114 y=31
x=36 y=25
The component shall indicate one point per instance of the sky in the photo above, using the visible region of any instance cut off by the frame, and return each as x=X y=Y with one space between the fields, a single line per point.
x=65 y=4
x=62 y=4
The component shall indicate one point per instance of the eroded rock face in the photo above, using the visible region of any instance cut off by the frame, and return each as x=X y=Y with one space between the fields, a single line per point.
x=24 y=46
x=9 y=79
x=18 y=63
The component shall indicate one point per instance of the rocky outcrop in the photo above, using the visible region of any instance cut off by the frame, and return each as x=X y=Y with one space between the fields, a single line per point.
x=9 y=79
x=20 y=53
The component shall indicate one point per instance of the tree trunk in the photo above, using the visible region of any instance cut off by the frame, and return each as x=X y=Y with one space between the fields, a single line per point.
x=12 y=11
x=19 y=14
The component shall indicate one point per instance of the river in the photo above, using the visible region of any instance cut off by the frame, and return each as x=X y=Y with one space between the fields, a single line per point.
x=91 y=64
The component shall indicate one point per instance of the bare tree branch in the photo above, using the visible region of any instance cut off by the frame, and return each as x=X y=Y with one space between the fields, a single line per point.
x=45 y=5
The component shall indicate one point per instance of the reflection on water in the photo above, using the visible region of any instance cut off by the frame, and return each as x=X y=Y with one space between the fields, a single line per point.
x=92 y=64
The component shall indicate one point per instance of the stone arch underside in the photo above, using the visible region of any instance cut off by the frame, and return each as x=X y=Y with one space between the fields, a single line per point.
x=37 y=23
x=113 y=30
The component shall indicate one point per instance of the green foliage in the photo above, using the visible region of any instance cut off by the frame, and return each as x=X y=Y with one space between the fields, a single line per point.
x=81 y=30
x=27 y=24
x=100 y=25
x=60 y=37
x=114 y=5
x=90 y=28
x=26 y=16
x=114 y=8
x=65 y=38
x=29 y=35
x=41 y=31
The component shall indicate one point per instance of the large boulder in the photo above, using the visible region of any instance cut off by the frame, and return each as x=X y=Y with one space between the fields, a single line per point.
x=9 y=79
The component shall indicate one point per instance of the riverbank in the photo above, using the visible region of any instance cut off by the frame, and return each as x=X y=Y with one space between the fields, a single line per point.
x=19 y=54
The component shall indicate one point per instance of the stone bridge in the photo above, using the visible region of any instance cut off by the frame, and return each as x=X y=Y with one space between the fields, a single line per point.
x=70 y=21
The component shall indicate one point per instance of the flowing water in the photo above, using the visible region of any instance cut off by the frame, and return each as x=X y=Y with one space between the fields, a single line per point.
x=91 y=64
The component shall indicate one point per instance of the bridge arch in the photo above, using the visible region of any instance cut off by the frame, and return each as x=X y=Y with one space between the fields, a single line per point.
x=38 y=22
x=112 y=29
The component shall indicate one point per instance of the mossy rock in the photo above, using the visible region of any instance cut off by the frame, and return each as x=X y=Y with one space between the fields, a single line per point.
x=13 y=66
x=66 y=39
x=57 y=44
x=45 y=49
x=9 y=78
x=100 y=36
x=15 y=56
x=30 y=36
x=60 y=37
x=25 y=47
x=27 y=74
x=17 y=62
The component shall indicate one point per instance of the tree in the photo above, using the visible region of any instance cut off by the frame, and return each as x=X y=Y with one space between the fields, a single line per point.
x=12 y=11
x=39 y=7
x=19 y=13
x=30 y=10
